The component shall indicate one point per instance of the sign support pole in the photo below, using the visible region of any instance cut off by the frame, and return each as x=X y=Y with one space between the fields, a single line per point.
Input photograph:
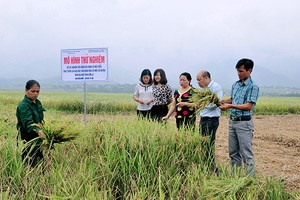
x=84 y=99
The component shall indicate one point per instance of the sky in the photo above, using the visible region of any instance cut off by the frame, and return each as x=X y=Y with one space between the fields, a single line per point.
x=176 y=36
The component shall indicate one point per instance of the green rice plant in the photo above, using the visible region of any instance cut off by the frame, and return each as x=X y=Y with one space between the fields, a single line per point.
x=273 y=189
x=203 y=98
x=110 y=107
x=68 y=106
x=121 y=156
x=236 y=188
x=138 y=154
x=57 y=133
x=129 y=158
x=10 y=167
x=279 y=105
x=123 y=103
x=95 y=102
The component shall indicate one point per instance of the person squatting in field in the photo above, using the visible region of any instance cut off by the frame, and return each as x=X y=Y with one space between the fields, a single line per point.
x=143 y=94
x=30 y=115
x=162 y=95
x=209 y=119
x=243 y=98
x=185 y=112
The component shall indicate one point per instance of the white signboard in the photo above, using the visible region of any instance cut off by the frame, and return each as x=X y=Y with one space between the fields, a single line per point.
x=84 y=64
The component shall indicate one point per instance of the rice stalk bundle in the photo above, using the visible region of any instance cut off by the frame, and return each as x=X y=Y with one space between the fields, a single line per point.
x=58 y=134
x=203 y=98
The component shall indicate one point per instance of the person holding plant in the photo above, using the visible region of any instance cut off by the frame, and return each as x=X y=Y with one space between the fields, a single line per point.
x=209 y=118
x=244 y=95
x=143 y=94
x=30 y=116
x=162 y=95
x=185 y=112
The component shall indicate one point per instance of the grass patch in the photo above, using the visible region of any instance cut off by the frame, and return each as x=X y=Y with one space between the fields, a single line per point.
x=119 y=157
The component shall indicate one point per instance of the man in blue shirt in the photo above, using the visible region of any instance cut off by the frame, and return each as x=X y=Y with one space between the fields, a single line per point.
x=244 y=95
x=209 y=119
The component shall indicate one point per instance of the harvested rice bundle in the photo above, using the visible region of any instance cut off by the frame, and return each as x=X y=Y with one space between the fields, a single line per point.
x=203 y=98
x=57 y=134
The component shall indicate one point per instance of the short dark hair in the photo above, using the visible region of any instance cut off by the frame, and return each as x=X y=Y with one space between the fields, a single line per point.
x=31 y=83
x=163 y=77
x=187 y=75
x=146 y=72
x=248 y=64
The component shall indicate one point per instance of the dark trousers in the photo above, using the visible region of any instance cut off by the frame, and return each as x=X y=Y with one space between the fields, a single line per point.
x=208 y=128
x=143 y=113
x=32 y=154
x=159 y=111
x=188 y=123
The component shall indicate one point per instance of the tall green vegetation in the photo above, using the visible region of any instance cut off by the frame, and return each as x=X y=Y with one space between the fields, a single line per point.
x=123 y=103
x=118 y=156
x=278 y=105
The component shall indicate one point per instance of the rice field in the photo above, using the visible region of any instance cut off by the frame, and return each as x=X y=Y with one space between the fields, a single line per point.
x=123 y=103
x=116 y=156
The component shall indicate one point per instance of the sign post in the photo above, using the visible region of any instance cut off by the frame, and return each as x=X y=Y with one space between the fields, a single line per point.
x=83 y=65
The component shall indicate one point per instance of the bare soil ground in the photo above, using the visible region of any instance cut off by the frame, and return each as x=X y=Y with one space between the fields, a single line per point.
x=276 y=146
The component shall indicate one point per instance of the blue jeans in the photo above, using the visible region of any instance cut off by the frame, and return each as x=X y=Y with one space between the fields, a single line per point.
x=240 y=145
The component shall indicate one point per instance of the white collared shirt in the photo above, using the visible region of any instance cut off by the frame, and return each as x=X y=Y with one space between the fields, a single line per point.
x=213 y=110
x=144 y=92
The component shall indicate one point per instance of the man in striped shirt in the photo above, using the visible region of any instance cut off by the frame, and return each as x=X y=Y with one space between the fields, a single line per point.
x=244 y=95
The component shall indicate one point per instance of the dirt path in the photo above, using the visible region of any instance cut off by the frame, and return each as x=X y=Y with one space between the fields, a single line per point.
x=276 y=146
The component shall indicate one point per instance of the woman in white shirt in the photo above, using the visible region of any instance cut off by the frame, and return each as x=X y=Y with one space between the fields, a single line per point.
x=143 y=94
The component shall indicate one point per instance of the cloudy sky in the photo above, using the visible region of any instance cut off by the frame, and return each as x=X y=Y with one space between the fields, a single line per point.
x=177 y=36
